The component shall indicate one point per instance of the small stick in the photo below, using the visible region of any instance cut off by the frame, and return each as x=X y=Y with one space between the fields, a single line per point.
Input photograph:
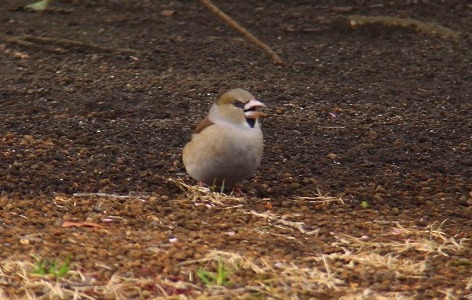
x=251 y=38
x=35 y=41
x=429 y=28
x=72 y=43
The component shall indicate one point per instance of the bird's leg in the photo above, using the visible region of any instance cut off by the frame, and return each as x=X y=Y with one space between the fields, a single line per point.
x=201 y=185
x=237 y=191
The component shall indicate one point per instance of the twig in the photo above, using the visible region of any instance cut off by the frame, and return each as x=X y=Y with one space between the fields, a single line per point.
x=251 y=38
x=68 y=43
x=14 y=40
x=34 y=41
x=429 y=28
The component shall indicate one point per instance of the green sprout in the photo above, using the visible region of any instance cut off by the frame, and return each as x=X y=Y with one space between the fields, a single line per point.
x=365 y=204
x=214 y=278
x=54 y=268
x=214 y=186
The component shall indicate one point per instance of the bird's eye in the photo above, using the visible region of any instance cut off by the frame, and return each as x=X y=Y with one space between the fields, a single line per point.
x=238 y=104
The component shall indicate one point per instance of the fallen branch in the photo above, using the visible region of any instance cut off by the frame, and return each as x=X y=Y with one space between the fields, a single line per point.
x=35 y=41
x=251 y=38
x=75 y=43
x=428 y=28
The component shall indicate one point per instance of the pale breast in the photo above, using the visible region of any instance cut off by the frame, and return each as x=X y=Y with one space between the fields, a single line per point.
x=223 y=153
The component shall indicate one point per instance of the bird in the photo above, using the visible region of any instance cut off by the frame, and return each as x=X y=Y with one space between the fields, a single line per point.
x=226 y=146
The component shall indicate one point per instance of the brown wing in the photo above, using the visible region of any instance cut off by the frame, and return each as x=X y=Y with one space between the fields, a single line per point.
x=202 y=125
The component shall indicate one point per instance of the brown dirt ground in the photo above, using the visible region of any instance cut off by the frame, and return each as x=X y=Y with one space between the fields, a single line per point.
x=365 y=189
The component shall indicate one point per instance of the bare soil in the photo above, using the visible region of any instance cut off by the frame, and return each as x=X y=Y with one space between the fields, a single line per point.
x=365 y=188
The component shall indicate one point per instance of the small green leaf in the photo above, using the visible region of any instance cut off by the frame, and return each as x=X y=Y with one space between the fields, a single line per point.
x=222 y=278
x=207 y=277
x=364 y=204
x=63 y=270
x=212 y=278
x=44 y=267
x=38 y=6
x=40 y=268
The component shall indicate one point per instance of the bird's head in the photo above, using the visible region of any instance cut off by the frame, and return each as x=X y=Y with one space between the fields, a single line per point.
x=237 y=106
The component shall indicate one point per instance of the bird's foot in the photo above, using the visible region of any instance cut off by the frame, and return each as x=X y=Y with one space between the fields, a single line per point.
x=237 y=191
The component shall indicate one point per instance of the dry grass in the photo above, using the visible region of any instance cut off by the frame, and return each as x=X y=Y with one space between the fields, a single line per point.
x=76 y=285
x=276 y=279
x=430 y=240
x=322 y=199
x=368 y=294
x=280 y=220
x=372 y=260
x=19 y=274
x=344 y=271
x=201 y=194
x=255 y=276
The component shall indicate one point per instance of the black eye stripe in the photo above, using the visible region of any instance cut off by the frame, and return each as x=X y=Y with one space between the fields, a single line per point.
x=238 y=104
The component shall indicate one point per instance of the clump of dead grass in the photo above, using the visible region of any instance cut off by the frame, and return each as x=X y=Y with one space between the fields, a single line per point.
x=283 y=222
x=202 y=194
x=371 y=260
x=431 y=240
x=19 y=274
x=275 y=279
x=390 y=252
x=319 y=198
x=18 y=282
x=369 y=294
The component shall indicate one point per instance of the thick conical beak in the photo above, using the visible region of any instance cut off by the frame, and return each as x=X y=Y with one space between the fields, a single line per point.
x=250 y=109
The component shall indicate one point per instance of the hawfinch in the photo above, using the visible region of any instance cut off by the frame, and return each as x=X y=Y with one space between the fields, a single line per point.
x=226 y=147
